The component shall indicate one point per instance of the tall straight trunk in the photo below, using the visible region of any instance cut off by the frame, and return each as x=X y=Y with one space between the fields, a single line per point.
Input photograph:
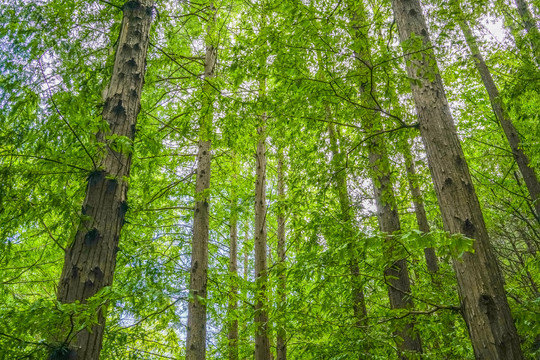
x=196 y=327
x=233 y=268
x=281 y=341
x=262 y=343
x=484 y=304
x=346 y=218
x=91 y=259
x=419 y=209
x=529 y=176
x=396 y=275
x=530 y=26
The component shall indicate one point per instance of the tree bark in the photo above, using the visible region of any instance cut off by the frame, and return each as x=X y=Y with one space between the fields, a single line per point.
x=262 y=343
x=419 y=209
x=529 y=176
x=233 y=268
x=196 y=327
x=396 y=275
x=484 y=304
x=91 y=259
x=281 y=341
x=346 y=218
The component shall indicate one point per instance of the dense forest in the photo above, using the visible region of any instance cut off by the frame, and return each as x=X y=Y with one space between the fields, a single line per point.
x=314 y=179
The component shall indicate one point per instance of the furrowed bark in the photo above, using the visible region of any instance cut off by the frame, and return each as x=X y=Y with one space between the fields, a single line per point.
x=512 y=135
x=233 y=268
x=90 y=260
x=281 y=341
x=484 y=304
x=396 y=275
x=196 y=327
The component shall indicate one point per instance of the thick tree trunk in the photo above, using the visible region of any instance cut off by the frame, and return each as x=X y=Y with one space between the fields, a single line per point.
x=529 y=176
x=262 y=343
x=233 y=269
x=90 y=260
x=396 y=275
x=196 y=327
x=419 y=209
x=281 y=341
x=530 y=26
x=484 y=304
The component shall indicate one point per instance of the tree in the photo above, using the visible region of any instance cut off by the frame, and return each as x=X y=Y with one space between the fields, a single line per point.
x=484 y=304
x=196 y=328
x=90 y=260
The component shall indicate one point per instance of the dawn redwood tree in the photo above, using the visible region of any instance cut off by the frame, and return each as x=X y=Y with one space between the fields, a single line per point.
x=484 y=304
x=281 y=341
x=418 y=202
x=499 y=109
x=531 y=27
x=346 y=217
x=233 y=265
x=396 y=275
x=91 y=258
x=196 y=327
x=262 y=342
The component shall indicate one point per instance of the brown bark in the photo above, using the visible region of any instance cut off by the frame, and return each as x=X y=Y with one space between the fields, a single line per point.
x=348 y=233
x=90 y=260
x=233 y=269
x=262 y=343
x=484 y=304
x=529 y=176
x=396 y=275
x=281 y=341
x=196 y=327
x=419 y=209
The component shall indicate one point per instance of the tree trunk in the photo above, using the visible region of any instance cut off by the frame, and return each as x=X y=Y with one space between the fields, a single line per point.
x=419 y=210
x=262 y=344
x=233 y=268
x=281 y=342
x=90 y=260
x=196 y=327
x=531 y=27
x=484 y=304
x=348 y=233
x=529 y=176
x=396 y=275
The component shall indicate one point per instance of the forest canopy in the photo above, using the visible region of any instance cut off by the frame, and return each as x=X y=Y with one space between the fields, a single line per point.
x=315 y=179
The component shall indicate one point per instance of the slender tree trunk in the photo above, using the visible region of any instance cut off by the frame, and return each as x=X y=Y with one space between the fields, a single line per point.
x=346 y=217
x=262 y=344
x=90 y=260
x=419 y=209
x=484 y=304
x=530 y=26
x=196 y=327
x=396 y=275
x=529 y=176
x=233 y=268
x=281 y=342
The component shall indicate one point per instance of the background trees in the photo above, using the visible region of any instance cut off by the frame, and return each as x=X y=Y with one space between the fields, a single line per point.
x=320 y=71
